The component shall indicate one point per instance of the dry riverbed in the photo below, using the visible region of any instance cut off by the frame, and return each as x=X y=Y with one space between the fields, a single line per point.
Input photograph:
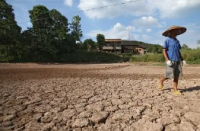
x=96 y=97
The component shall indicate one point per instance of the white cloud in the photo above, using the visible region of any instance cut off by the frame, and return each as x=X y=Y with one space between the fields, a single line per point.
x=68 y=2
x=135 y=37
x=165 y=8
x=136 y=8
x=117 y=31
x=139 y=30
x=175 y=8
x=145 y=37
x=29 y=24
x=131 y=28
x=147 y=22
x=148 y=30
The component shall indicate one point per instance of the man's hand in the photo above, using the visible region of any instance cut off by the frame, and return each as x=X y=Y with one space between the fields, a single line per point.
x=168 y=62
x=184 y=62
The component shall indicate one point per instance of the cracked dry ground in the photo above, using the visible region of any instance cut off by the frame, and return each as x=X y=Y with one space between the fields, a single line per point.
x=96 y=97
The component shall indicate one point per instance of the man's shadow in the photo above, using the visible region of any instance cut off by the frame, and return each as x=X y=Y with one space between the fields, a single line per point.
x=189 y=89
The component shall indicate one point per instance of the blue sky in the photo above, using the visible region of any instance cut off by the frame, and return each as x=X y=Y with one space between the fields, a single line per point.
x=142 y=20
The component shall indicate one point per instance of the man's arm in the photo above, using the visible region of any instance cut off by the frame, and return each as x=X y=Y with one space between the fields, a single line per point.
x=165 y=54
x=180 y=56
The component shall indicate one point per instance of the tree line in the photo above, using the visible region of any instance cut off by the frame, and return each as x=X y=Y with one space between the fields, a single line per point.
x=50 y=38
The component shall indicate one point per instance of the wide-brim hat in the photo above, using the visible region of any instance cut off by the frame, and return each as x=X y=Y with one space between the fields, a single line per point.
x=180 y=29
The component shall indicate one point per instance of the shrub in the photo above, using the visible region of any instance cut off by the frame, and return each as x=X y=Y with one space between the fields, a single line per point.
x=4 y=56
x=191 y=56
x=91 y=57
x=148 y=58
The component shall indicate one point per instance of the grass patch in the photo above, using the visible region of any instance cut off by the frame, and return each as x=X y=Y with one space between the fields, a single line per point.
x=91 y=57
x=148 y=58
x=191 y=56
x=76 y=57
x=158 y=64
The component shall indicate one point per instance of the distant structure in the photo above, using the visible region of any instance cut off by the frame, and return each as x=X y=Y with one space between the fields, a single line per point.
x=78 y=42
x=129 y=34
x=123 y=46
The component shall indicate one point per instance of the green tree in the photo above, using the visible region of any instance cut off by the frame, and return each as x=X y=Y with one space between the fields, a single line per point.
x=58 y=36
x=10 y=32
x=30 y=37
x=59 y=26
x=28 y=42
x=100 y=41
x=76 y=28
x=154 y=48
x=89 y=45
x=50 y=33
x=41 y=31
x=158 y=48
x=185 y=47
x=198 y=43
x=41 y=22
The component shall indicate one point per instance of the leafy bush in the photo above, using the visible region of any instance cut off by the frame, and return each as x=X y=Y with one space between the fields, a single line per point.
x=76 y=57
x=91 y=57
x=191 y=56
x=4 y=56
x=148 y=58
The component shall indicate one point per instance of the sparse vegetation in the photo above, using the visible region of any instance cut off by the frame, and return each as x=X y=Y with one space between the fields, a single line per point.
x=148 y=58
x=192 y=56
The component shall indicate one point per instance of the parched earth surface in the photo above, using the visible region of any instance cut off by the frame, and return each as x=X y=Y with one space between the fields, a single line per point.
x=96 y=97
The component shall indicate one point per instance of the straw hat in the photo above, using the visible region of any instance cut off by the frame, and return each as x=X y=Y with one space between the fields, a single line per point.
x=180 y=29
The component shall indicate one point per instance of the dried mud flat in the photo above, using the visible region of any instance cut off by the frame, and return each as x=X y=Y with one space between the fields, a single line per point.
x=96 y=97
